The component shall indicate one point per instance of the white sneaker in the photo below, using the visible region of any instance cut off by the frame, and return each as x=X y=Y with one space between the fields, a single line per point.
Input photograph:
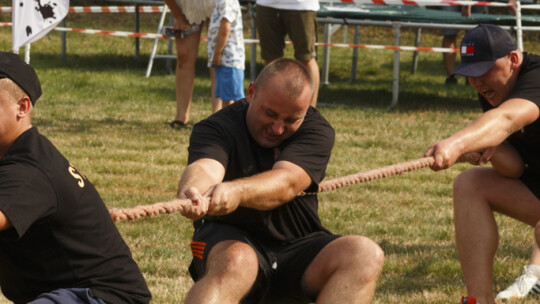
x=527 y=283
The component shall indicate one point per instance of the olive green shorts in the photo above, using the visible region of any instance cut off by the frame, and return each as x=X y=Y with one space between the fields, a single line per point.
x=274 y=24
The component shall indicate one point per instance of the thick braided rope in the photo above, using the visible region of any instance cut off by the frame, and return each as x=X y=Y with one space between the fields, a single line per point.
x=374 y=174
x=176 y=205
x=122 y=214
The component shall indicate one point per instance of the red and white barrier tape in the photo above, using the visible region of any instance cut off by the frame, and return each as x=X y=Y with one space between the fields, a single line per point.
x=112 y=33
x=159 y=36
x=375 y=46
x=115 y=9
x=390 y=47
x=102 y=9
x=155 y=9
x=421 y=2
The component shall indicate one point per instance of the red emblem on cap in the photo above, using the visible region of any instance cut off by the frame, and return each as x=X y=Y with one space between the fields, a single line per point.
x=467 y=49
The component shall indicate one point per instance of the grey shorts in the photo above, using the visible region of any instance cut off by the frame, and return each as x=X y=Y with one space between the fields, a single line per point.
x=68 y=296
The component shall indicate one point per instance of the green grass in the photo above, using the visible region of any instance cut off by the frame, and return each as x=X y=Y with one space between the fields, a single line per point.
x=110 y=122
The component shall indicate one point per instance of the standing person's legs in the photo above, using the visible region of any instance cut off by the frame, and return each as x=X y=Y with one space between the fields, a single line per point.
x=271 y=32
x=313 y=68
x=478 y=192
x=273 y=25
x=302 y=29
x=217 y=103
x=229 y=86
x=301 y=26
x=449 y=41
x=186 y=52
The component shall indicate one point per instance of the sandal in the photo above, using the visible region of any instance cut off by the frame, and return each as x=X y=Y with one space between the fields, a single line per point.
x=177 y=125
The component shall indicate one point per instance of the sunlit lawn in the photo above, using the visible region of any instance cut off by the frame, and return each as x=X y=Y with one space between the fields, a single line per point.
x=111 y=122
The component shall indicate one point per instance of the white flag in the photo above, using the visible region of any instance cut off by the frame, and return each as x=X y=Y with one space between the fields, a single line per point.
x=32 y=19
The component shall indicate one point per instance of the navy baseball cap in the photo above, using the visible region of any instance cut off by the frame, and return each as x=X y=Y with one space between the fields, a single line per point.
x=14 y=68
x=480 y=47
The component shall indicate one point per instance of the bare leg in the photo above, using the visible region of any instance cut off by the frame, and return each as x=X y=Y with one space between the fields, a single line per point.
x=231 y=270
x=478 y=192
x=186 y=52
x=449 y=58
x=227 y=103
x=476 y=237
x=216 y=102
x=535 y=255
x=313 y=68
x=345 y=271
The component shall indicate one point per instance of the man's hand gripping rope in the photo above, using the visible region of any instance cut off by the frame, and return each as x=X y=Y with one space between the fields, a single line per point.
x=185 y=205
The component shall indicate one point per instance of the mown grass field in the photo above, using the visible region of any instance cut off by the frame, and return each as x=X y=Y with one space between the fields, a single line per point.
x=111 y=122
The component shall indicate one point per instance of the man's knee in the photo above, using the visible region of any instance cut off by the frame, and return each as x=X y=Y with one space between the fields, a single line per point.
x=371 y=252
x=466 y=180
x=231 y=271
x=234 y=255
x=356 y=258
x=360 y=260
x=360 y=254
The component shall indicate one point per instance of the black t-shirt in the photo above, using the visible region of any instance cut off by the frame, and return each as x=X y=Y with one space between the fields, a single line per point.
x=527 y=140
x=224 y=137
x=62 y=234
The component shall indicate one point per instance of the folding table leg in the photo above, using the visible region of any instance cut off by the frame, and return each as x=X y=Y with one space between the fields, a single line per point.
x=154 y=48
x=415 y=53
x=395 y=80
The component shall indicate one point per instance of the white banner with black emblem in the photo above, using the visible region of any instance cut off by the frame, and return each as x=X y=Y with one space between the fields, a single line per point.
x=33 y=19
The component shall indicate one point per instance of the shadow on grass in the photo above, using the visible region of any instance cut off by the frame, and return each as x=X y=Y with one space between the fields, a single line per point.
x=372 y=87
x=120 y=62
x=350 y=96
x=415 y=277
x=89 y=62
x=420 y=276
x=362 y=93
x=95 y=126
x=426 y=65
x=518 y=252
x=110 y=62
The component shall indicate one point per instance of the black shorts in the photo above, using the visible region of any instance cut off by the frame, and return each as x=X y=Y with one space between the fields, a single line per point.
x=531 y=179
x=281 y=264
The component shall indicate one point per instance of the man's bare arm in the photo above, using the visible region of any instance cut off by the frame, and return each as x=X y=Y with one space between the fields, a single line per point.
x=197 y=179
x=4 y=222
x=507 y=161
x=489 y=130
x=264 y=191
